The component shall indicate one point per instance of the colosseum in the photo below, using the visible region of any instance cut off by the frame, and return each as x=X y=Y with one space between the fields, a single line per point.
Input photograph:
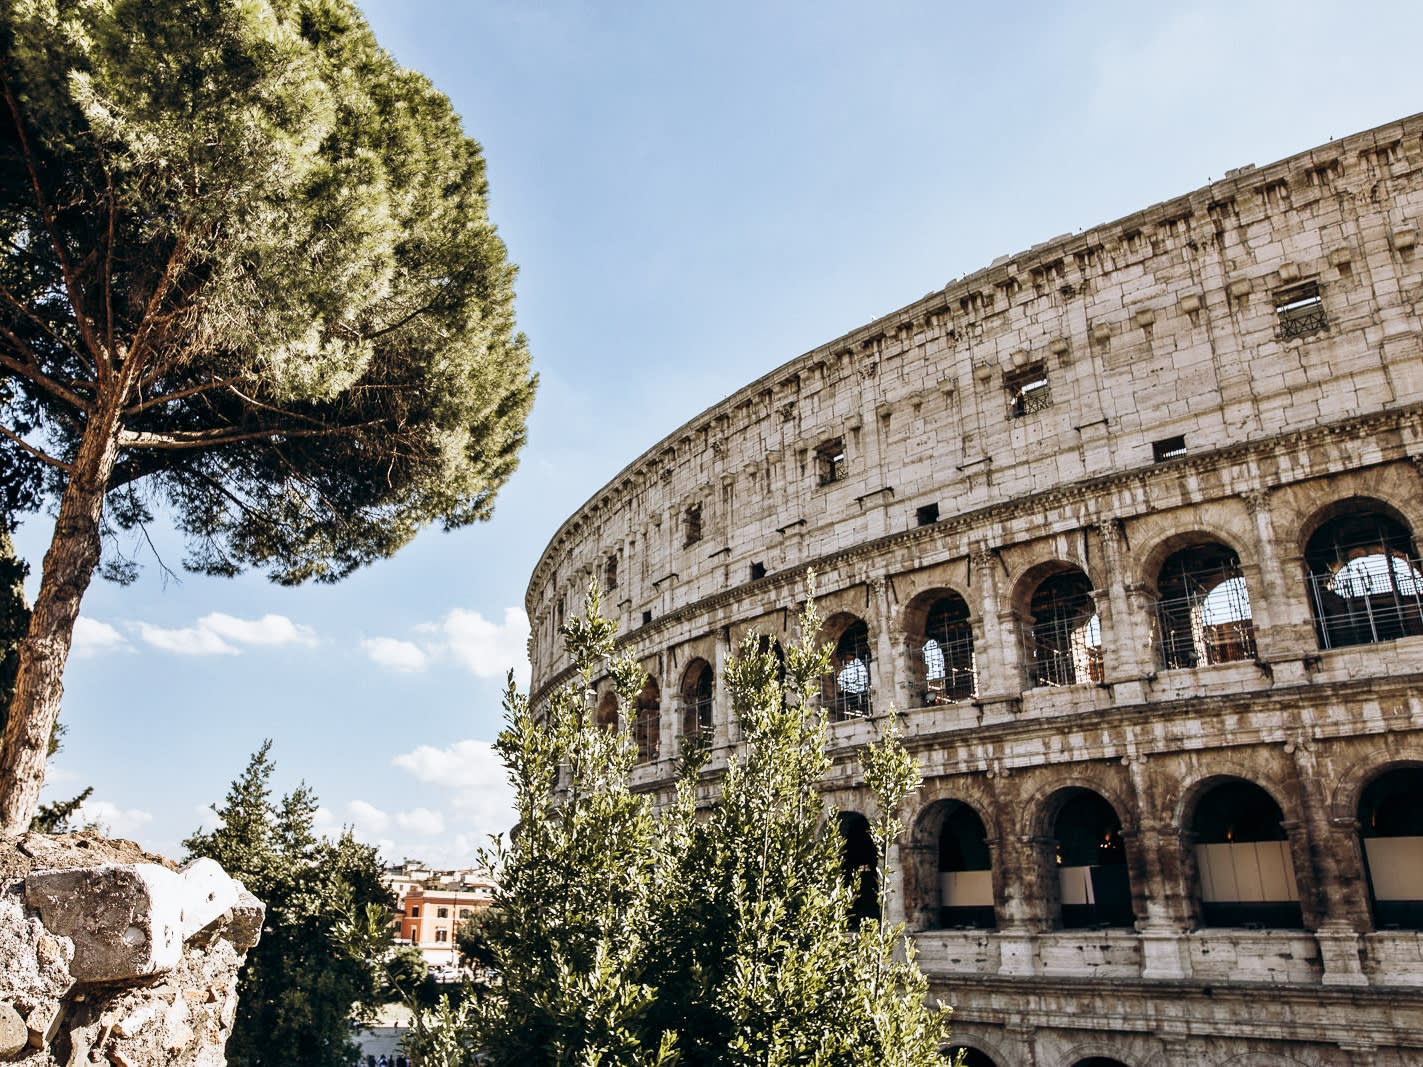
x=1123 y=529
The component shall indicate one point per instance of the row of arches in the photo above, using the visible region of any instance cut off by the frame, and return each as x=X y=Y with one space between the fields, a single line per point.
x=1364 y=586
x=1238 y=857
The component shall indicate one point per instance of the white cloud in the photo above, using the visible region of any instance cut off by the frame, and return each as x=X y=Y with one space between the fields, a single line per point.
x=117 y=822
x=395 y=655
x=421 y=821
x=367 y=818
x=475 y=779
x=270 y=629
x=217 y=634
x=185 y=641
x=94 y=638
x=486 y=649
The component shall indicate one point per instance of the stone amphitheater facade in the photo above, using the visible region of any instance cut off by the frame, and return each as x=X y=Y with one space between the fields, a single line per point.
x=1125 y=528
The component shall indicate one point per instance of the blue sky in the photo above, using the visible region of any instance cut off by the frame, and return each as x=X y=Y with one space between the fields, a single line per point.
x=695 y=193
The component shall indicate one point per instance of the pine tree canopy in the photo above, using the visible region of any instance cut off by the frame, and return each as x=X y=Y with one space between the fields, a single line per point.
x=245 y=235
x=247 y=274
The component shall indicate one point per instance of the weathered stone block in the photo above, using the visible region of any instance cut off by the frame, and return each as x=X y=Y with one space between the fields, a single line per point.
x=126 y=921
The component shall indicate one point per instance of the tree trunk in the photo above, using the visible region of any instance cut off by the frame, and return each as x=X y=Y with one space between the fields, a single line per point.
x=68 y=568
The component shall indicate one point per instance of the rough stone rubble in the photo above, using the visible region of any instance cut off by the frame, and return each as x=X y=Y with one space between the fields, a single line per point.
x=109 y=955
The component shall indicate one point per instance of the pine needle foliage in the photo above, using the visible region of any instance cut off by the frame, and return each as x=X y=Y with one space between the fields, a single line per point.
x=715 y=930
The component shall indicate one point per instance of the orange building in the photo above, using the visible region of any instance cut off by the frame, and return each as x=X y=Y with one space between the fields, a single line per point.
x=430 y=915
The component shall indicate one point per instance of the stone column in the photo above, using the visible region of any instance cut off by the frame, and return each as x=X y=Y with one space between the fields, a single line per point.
x=996 y=657
x=1162 y=954
x=884 y=677
x=1339 y=902
x=1282 y=601
x=1127 y=656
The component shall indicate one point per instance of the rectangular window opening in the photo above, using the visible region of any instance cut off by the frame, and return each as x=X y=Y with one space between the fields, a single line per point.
x=1028 y=390
x=830 y=465
x=1300 y=310
x=1169 y=448
x=646 y=617
x=758 y=571
x=692 y=525
x=927 y=515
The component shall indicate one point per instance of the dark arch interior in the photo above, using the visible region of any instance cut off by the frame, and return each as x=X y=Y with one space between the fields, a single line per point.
x=972 y=1057
x=965 y=875
x=1391 y=825
x=845 y=691
x=1091 y=863
x=1365 y=582
x=645 y=723
x=947 y=652
x=697 y=689
x=860 y=864
x=1066 y=640
x=1203 y=609
x=1243 y=859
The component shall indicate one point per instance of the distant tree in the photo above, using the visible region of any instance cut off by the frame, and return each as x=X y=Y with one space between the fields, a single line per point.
x=247 y=274
x=716 y=931
x=322 y=957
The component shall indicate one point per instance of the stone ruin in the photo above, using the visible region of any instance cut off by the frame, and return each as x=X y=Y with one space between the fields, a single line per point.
x=110 y=955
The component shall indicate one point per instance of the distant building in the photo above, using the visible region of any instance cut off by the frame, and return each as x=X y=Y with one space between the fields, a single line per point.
x=431 y=905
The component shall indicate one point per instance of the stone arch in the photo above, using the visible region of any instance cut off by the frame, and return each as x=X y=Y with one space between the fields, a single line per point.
x=698 y=693
x=647 y=720
x=606 y=712
x=847 y=691
x=1202 y=613
x=859 y=864
x=1061 y=629
x=1087 y=861
x=1390 y=822
x=1244 y=868
x=1158 y=536
x=1039 y=809
x=938 y=626
x=974 y=1056
x=1365 y=580
x=952 y=851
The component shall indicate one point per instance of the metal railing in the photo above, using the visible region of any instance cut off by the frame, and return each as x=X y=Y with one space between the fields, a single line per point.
x=1368 y=600
x=1205 y=628
x=1057 y=653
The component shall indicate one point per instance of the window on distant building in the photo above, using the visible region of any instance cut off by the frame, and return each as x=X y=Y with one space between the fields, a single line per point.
x=465 y=913
x=1301 y=310
x=610 y=573
x=443 y=913
x=830 y=461
x=442 y=935
x=415 y=912
x=692 y=524
x=1028 y=389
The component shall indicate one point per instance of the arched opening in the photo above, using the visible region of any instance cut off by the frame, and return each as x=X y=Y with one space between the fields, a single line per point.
x=646 y=723
x=860 y=865
x=1391 y=825
x=845 y=692
x=1094 y=888
x=1203 y=609
x=947 y=652
x=697 y=689
x=1063 y=641
x=606 y=714
x=1247 y=876
x=965 y=870
x=972 y=1057
x=1365 y=580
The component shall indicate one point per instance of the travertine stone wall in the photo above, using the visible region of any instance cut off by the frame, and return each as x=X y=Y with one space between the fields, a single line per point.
x=918 y=457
